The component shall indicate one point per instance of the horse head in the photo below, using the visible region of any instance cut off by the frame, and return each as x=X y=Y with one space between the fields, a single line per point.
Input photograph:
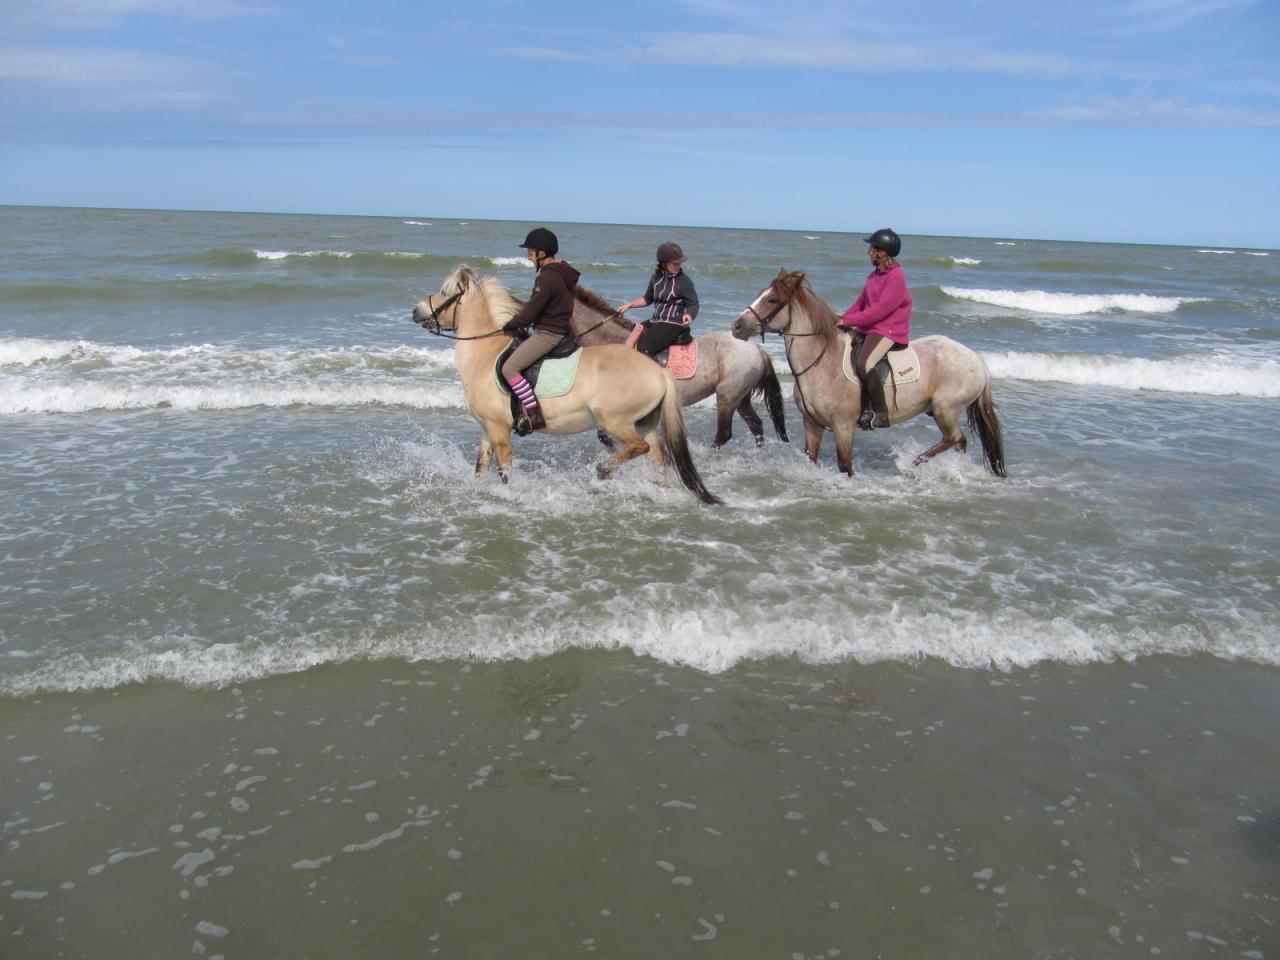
x=767 y=313
x=439 y=310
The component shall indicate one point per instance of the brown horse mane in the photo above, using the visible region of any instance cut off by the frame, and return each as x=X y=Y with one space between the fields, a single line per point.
x=794 y=286
x=590 y=298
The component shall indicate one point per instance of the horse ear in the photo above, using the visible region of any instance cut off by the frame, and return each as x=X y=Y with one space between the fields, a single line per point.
x=782 y=272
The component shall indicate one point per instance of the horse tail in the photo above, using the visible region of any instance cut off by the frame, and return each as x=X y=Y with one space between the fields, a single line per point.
x=675 y=444
x=769 y=386
x=983 y=419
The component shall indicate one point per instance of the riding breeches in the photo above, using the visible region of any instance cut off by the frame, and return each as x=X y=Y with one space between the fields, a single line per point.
x=873 y=349
x=659 y=334
x=539 y=344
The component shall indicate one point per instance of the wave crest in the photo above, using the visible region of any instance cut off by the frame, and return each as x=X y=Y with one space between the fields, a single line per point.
x=1071 y=304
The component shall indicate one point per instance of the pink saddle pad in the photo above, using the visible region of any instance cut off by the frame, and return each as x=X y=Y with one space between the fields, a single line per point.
x=682 y=360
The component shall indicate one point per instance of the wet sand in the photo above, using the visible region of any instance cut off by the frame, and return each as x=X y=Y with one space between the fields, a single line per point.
x=595 y=802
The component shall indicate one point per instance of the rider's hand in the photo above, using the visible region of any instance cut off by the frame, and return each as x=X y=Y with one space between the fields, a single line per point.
x=623 y=309
x=511 y=327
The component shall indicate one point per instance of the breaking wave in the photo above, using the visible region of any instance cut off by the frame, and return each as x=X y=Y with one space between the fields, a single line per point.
x=1071 y=304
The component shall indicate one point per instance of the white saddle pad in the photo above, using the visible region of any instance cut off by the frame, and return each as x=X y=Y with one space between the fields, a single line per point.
x=905 y=363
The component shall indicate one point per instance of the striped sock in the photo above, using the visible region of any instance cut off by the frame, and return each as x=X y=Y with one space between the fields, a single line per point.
x=520 y=387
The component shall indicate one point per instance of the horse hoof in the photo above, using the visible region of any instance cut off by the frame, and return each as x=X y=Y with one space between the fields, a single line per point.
x=603 y=473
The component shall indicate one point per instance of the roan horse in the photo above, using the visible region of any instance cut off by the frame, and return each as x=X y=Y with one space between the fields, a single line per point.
x=953 y=378
x=616 y=388
x=734 y=371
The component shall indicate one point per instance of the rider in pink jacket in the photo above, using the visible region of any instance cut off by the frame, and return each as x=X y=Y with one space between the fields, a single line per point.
x=882 y=314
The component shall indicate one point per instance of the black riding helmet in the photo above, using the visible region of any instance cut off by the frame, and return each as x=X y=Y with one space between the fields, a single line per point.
x=886 y=240
x=540 y=238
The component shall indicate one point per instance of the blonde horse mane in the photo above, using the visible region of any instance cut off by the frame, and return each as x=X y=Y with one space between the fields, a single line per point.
x=501 y=304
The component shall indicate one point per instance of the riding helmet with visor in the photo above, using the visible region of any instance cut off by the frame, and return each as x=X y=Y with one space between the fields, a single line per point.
x=886 y=240
x=540 y=238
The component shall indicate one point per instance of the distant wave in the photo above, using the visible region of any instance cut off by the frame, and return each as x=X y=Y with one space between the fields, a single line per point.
x=1215 y=251
x=416 y=223
x=60 y=376
x=960 y=261
x=1071 y=304
x=510 y=262
x=1005 y=243
x=1213 y=376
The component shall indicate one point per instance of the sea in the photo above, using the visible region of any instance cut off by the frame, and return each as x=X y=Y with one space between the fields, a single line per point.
x=281 y=676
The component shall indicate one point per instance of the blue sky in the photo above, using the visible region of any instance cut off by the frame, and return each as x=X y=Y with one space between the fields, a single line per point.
x=1130 y=120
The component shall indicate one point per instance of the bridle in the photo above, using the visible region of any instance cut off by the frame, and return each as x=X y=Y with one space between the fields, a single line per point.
x=432 y=323
x=787 y=337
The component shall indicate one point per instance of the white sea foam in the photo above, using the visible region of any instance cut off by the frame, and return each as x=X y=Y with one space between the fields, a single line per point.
x=964 y=261
x=712 y=639
x=65 y=376
x=285 y=254
x=1214 y=376
x=416 y=223
x=1215 y=251
x=510 y=262
x=1005 y=243
x=1070 y=304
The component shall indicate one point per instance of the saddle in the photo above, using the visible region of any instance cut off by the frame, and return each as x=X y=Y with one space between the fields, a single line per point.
x=561 y=369
x=902 y=362
x=679 y=358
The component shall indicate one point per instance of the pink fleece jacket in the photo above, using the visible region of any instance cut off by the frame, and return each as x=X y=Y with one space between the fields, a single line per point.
x=883 y=307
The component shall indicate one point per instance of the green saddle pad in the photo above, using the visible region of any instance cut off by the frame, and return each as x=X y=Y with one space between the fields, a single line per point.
x=555 y=378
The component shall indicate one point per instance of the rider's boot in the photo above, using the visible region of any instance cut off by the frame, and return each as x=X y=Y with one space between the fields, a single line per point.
x=875 y=411
x=532 y=419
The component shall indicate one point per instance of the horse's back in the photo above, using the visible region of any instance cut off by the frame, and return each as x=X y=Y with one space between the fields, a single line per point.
x=948 y=365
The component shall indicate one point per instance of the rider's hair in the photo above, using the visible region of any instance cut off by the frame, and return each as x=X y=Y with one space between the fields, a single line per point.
x=882 y=260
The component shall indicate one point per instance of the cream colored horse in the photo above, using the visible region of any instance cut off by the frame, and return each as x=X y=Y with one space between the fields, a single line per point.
x=617 y=389
x=953 y=379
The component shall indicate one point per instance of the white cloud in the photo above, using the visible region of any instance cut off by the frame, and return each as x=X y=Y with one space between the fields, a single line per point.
x=809 y=52
x=1149 y=113
x=107 y=78
x=96 y=14
x=1153 y=15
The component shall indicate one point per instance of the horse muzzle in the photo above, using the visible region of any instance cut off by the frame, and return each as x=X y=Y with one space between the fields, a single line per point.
x=744 y=328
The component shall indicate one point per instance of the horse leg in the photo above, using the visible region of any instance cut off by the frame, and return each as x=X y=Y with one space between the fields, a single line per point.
x=497 y=440
x=724 y=422
x=812 y=439
x=844 y=448
x=633 y=445
x=952 y=436
x=748 y=413
x=482 y=459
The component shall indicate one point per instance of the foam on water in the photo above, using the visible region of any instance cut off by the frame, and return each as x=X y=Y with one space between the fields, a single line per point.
x=711 y=639
x=1071 y=304
x=64 y=376
x=510 y=262
x=1214 y=376
x=286 y=254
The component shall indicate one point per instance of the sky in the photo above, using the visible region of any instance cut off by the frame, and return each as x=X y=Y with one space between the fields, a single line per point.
x=1148 y=121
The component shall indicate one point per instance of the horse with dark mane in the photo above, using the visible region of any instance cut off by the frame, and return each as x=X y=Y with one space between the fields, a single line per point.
x=731 y=369
x=952 y=378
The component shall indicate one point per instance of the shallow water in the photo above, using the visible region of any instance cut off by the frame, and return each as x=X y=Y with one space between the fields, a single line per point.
x=914 y=713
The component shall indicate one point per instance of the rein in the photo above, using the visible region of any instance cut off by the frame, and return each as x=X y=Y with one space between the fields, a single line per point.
x=615 y=315
x=432 y=323
x=786 y=334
